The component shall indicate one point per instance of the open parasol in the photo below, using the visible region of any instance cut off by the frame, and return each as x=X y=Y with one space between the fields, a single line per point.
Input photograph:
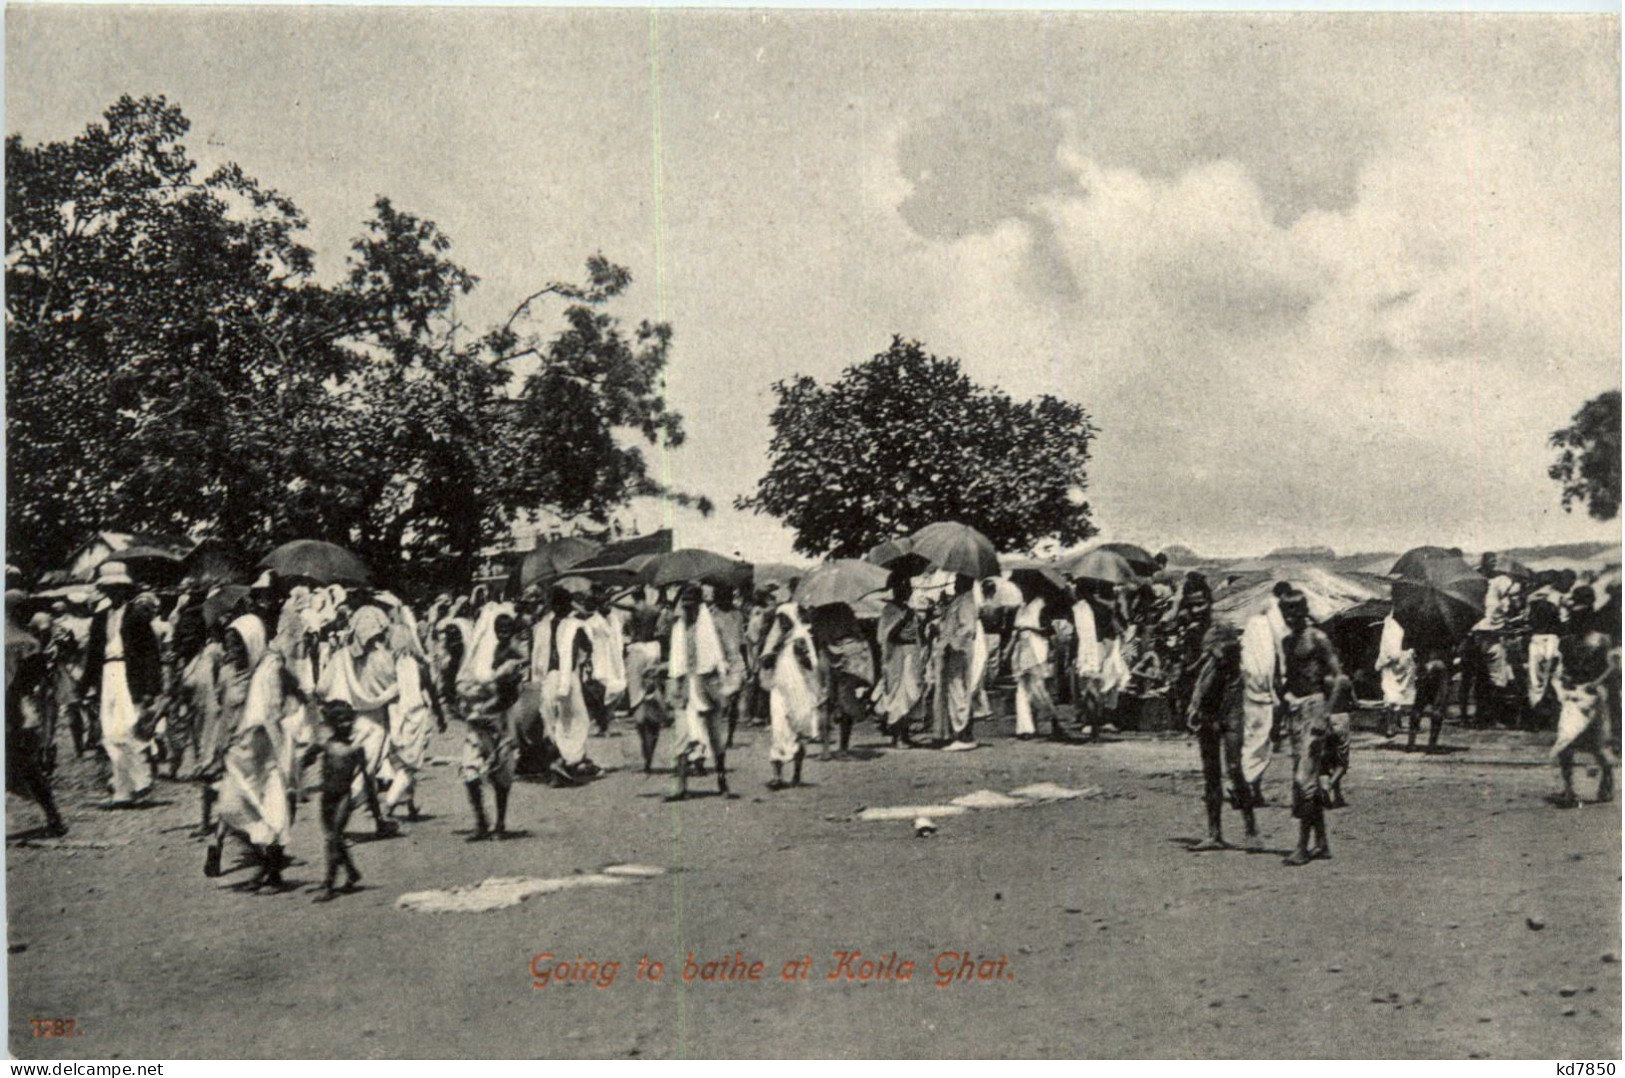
x=1441 y=604
x=215 y=561
x=629 y=571
x=1141 y=560
x=691 y=565
x=1042 y=582
x=226 y=599
x=575 y=585
x=554 y=558
x=896 y=556
x=1413 y=563
x=313 y=559
x=853 y=583
x=1101 y=566
x=956 y=548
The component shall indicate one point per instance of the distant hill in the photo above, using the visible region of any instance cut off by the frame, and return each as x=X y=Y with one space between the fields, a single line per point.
x=1576 y=551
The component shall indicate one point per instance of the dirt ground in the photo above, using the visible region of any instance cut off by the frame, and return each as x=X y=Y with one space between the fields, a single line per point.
x=1462 y=916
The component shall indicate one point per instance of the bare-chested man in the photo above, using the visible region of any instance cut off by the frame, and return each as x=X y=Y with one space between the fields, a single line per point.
x=1586 y=665
x=1312 y=669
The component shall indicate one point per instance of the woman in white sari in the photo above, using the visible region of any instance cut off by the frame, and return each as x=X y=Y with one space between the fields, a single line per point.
x=362 y=674
x=242 y=647
x=255 y=794
x=793 y=697
x=409 y=718
x=561 y=646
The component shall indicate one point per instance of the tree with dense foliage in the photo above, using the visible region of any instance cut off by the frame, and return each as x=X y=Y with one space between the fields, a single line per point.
x=906 y=439
x=1588 y=466
x=173 y=364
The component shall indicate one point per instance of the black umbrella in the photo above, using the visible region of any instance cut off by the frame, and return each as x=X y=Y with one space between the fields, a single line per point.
x=215 y=561
x=224 y=602
x=695 y=566
x=1413 y=563
x=1139 y=558
x=857 y=584
x=896 y=557
x=1101 y=566
x=956 y=548
x=1441 y=605
x=1044 y=583
x=313 y=559
x=554 y=558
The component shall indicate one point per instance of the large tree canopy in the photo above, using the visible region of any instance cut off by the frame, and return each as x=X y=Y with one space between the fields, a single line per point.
x=173 y=364
x=906 y=439
x=1588 y=466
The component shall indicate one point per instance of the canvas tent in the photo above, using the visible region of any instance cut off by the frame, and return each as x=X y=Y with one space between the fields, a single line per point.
x=1328 y=592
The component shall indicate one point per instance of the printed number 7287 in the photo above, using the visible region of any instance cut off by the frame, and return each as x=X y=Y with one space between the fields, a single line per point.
x=52 y=1027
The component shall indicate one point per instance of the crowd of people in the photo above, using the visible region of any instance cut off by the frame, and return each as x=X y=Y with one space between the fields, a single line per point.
x=288 y=690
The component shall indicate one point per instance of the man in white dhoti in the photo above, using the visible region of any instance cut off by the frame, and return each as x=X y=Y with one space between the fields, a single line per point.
x=1029 y=662
x=1260 y=673
x=901 y=699
x=1089 y=663
x=1587 y=665
x=790 y=663
x=695 y=672
x=958 y=631
x=560 y=647
x=123 y=662
x=1396 y=665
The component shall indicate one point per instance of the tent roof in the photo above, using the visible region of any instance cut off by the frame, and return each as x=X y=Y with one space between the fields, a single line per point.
x=1329 y=592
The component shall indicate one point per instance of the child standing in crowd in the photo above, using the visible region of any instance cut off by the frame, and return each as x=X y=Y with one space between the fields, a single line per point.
x=341 y=761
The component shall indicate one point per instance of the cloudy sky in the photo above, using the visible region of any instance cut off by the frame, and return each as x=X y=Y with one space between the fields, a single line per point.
x=1325 y=279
